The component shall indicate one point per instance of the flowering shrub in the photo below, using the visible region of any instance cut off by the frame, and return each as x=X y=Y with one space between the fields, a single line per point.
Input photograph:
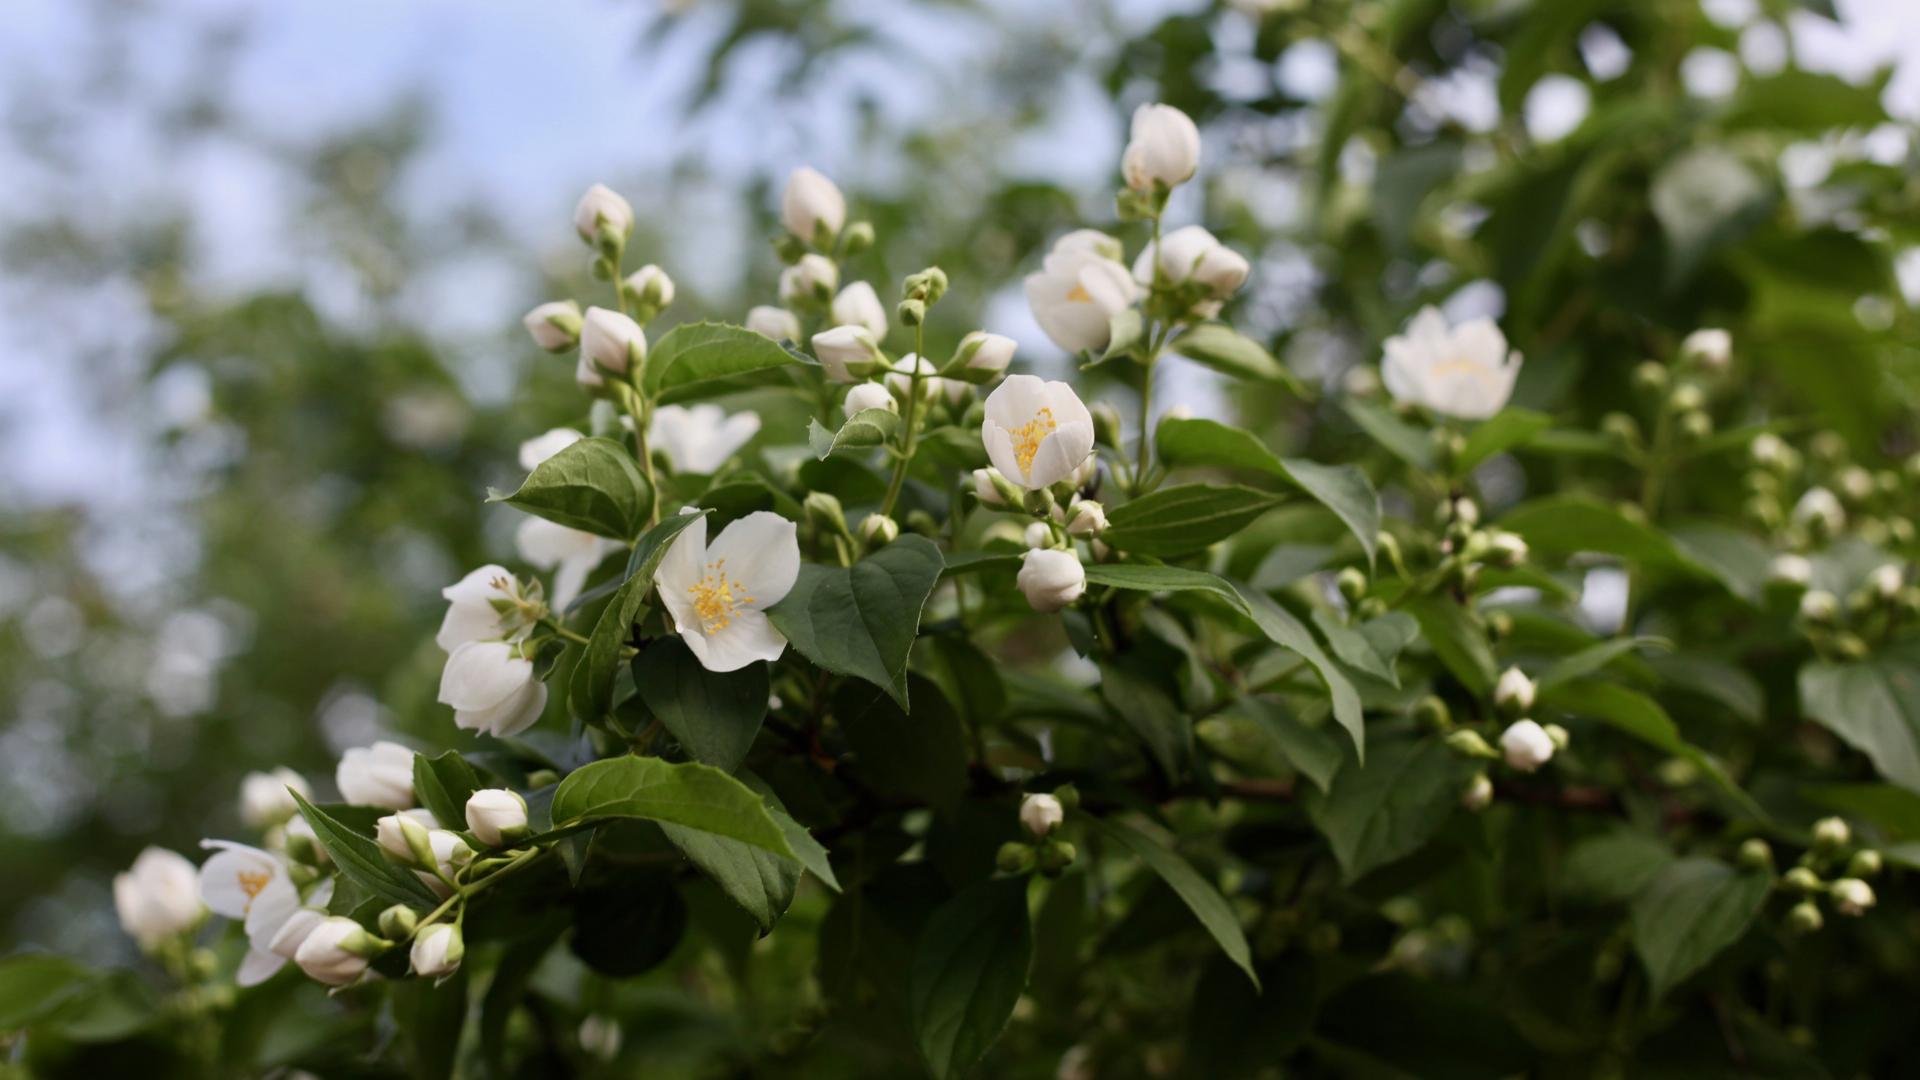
x=969 y=686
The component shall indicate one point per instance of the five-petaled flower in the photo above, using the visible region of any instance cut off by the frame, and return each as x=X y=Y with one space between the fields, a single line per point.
x=718 y=593
x=1036 y=432
x=1463 y=371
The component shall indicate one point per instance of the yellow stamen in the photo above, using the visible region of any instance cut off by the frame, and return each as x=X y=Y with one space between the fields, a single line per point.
x=1079 y=295
x=717 y=598
x=252 y=882
x=1028 y=437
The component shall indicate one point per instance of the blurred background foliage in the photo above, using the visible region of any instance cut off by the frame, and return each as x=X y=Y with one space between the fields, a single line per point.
x=224 y=540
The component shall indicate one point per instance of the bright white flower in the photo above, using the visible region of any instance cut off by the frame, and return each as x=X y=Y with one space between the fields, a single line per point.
x=1527 y=745
x=601 y=212
x=984 y=487
x=437 y=951
x=554 y=325
x=377 y=775
x=1464 y=371
x=812 y=207
x=496 y=816
x=157 y=897
x=1513 y=694
x=868 y=395
x=842 y=348
x=471 y=614
x=1079 y=287
x=1192 y=253
x=543 y=446
x=1822 y=507
x=775 y=322
x=1036 y=432
x=609 y=341
x=571 y=554
x=1790 y=569
x=812 y=278
x=251 y=887
x=390 y=832
x=1041 y=813
x=859 y=305
x=1051 y=579
x=492 y=688
x=986 y=352
x=1086 y=518
x=1711 y=349
x=1164 y=149
x=335 y=952
x=652 y=285
x=264 y=799
x=700 y=439
x=1851 y=896
x=1886 y=580
x=718 y=594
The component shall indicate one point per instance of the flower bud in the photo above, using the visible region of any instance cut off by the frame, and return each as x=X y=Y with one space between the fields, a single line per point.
x=1620 y=428
x=266 y=798
x=437 y=951
x=1851 y=896
x=1649 y=378
x=1768 y=450
x=1086 y=518
x=858 y=237
x=602 y=218
x=554 y=325
x=812 y=207
x=1789 y=569
x=1694 y=426
x=1432 y=714
x=158 y=897
x=1820 y=512
x=398 y=922
x=1819 y=607
x=1468 y=743
x=869 y=395
x=824 y=512
x=1041 y=814
x=1557 y=735
x=1865 y=864
x=1505 y=550
x=1687 y=398
x=1038 y=535
x=1352 y=583
x=1051 y=579
x=377 y=775
x=1800 y=879
x=1479 y=793
x=1711 y=349
x=1513 y=694
x=1831 y=833
x=1755 y=854
x=1526 y=745
x=1055 y=856
x=1886 y=581
x=985 y=354
x=609 y=342
x=846 y=352
x=1107 y=425
x=446 y=853
x=1163 y=150
x=775 y=322
x=1804 y=918
x=651 y=286
x=859 y=305
x=336 y=951
x=497 y=817
x=1464 y=511
x=810 y=280
x=985 y=489
x=392 y=833
x=879 y=530
x=1014 y=857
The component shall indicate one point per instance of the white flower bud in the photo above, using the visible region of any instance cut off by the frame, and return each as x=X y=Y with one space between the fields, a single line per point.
x=812 y=207
x=158 y=897
x=1051 y=579
x=1711 y=349
x=810 y=280
x=1038 y=535
x=984 y=487
x=265 y=800
x=1790 y=569
x=1819 y=606
x=1831 y=832
x=1041 y=814
x=1505 y=549
x=1886 y=581
x=554 y=325
x=1479 y=793
x=496 y=816
x=1086 y=518
x=492 y=688
x=1164 y=149
x=1767 y=449
x=775 y=322
x=390 y=832
x=437 y=951
x=1851 y=896
x=1527 y=746
x=986 y=352
x=1513 y=695
x=286 y=941
x=878 y=530
x=450 y=853
x=377 y=775
x=601 y=215
x=1821 y=509
x=652 y=285
x=609 y=341
x=869 y=395
x=859 y=305
x=844 y=350
x=336 y=951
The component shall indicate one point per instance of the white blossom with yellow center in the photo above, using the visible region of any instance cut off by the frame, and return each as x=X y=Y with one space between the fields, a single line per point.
x=1464 y=371
x=1080 y=286
x=252 y=887
x=1036 y=432
x=718 y=594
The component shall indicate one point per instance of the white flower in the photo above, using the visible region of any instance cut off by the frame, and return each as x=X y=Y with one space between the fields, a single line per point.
x=1051 y=579
x=572 y=555
x=1886 y=580
x=1767 y=449
x=1513 y=694
x=1464 y=371
x=264 y=799
x=986 y=352
x=1711 y=349
x=471 y=614
x=253 y=888
x=812 y=278
x=842 y=347
x=1079 y=287
x=1790 y=569
x=1164 y=149
x=718 y=594
x=437 y=950
x=652 y=285
x=1822 y=508
x=812 y=207
x=1036 y=432
x=602 y=214
x=492 y=688
x=157 y=897
x=1527 y=745
x=335 y=952
x=1192 y=253
x=900 y=379
x=1851 y=896
x=543 y=446
x=1041 y=813
x=700 y=439
x=986 y=489
x=496 y=816
x=554 y=325
x=609 y=341
x=868 y=395
x=390 y=832
x=1086 y=518
x=859 y=305
x=775 y=322
x=377 y=775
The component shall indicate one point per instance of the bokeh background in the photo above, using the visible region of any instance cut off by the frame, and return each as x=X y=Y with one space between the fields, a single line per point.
x=261 y=268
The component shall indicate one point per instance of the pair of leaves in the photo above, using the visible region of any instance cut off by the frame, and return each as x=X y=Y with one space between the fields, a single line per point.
x=863 y=430
x=593 y=485
x=861 y=620
x=1343 y=489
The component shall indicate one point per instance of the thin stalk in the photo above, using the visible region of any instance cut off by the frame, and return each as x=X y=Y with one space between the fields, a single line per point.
x=911 y=421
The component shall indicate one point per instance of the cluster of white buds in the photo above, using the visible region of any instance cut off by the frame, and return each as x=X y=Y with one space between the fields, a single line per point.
x=1041 y=815
x=1831 y=851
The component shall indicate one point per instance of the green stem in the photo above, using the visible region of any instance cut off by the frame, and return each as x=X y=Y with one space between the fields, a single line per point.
x=1146 y=376
x=910 y=421
x=570 y=635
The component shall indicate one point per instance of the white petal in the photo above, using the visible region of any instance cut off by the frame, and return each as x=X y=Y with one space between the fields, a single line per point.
x=482 y=674
x=1015 y=401
x=999 y=444
x=749 y=637
x=1060 y=453
x=515 y=714
x=1481 y=342
x=573 y=573
x=258 y=966
x=541 y=447
x=234 y=875
x=762 y=552
x=1074 y=325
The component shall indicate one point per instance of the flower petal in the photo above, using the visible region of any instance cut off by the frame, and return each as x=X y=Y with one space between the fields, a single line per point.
x=749 y=637
x=482 y=674
x=762 y=552
x=258 y=966
x=518 y=712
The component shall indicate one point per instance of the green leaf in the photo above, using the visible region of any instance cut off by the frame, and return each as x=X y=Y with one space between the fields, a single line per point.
x=863 y=430
x=1614 y=865
x=1390 y=807
x=1226 y=350
x=1401 y=439
x=1738 y=559
x=1353 y=648
x=1642 y=717
x=1593 y=658
x=1511 y=428
x=1199 y=894
x=861 y=620
x=1564 y=524
x=35 y=984
x=1893 y=809
x=920 y=756
x=591 y=694
x=694 y=795
x=1177 y=520
x=1458 y=639
x=1124 y=329
x=714 y=714
x=1346 y=491
x=443 y=784
x=361 y=860
x=697 y=352
x=1314 y=753
x=1874 y=705
x=593 y=485
x=429 y=1014
x=761 y=882
x=1151 y=716
x=969 y=968
x=1343 y=489
x=1694 y=908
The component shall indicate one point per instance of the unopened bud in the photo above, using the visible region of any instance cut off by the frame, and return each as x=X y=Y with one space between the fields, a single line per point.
x=1513 y=694
x=398 y=922
x=1851 y=896
x=1469 y=743
x=1804 y=918
x=1479 y=793
x=1432 y=714
x=1800 y=879
x=1014 y=857
x=1041 y=813
x=1056 y=856
x=1831 y=833
x=438 y=951
x=1865 y=864
x=911 y=312
x=1352 y=583
x=823 y=511
x=1086 y=519
x=1755 y=854
x=1106 y=424
x=1650 y=378
x=878 y=530
x=858 y=237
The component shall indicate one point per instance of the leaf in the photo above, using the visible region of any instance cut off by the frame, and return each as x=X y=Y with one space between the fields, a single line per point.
x=1614 y=866
x=1593 y=658
x=863 y=430
x=1343 y=489
x=761 y=882
x=1564 y=524
x=1346 y=491
x=1511 y=428
x=592 y=485
x=1893 y=809
x=1458 y=639
x=1200 y=896
x=1874 y=705
x=443 y=784
x=35 y=984
x=1188 y=517
x=969 y=968
x=714 y=714
x=1124 y=328
x=1401 y=439
x=1151 y=716
x=694 y=795
x=1642 y=717
x=429 y=1014
x=508 y=987
x=697 y=352
x=920 y=756
x=1353 y=648
x=361 y=861
x=1226 y=350
x=861 y=620
x=1694 y=908
x=1314 y=753
x=1738 y=559
x=1390 y=807
x=590 y=695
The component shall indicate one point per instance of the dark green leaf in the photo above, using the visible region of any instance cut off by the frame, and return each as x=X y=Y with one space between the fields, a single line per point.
x=1593 y=658
x=429 y=1014
x=1874 y=705
x=1458 y=639
x=861 y=620
x=1176 y=520
x=1390 y=807
x=1694 y=908
x=1404 y=441
x=1343 y=489
x=698 y=352
x=361 y=861
x=1199 y=894
x=694 y=795
x=592 y=485
x=1310 y=749
x=1151 y=716
x=714 y=714
x=34 y=984
x=442 y=784
x=969 y=969
x=1511 y=428
x=863 y=430
x=915 y=756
